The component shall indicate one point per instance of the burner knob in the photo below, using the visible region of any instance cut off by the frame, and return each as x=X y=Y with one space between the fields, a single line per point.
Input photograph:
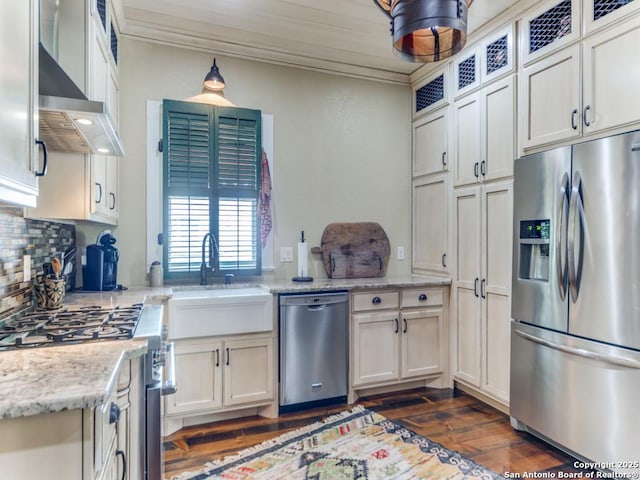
x=114 y=413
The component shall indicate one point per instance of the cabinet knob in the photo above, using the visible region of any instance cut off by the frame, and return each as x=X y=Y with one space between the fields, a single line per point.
x=376 y=300
x=422 y=297
x=114 y=413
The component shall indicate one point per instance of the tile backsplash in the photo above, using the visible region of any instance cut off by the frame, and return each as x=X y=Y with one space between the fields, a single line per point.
x=42 y=239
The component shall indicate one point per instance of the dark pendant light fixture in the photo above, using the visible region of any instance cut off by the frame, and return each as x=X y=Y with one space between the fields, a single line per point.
x=427 y=30
x=213 y=80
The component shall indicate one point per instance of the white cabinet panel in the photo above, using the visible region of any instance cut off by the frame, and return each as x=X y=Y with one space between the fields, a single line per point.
x=375 y=339
x=248 y=374
x=430 y=144
x=429 y=224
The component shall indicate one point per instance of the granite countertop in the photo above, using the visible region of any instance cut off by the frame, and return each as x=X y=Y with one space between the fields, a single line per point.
x=51 y=379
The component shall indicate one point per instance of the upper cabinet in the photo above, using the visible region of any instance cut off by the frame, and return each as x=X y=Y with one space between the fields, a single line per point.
x=549 y=27
x=600 y=13
x=431 y=93
x=19 y=164
x=491 y=58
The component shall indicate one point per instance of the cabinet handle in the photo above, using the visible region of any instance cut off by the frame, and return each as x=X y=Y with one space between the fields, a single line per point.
x=482 y=170
x=42 y=172
x=422 y=297
x=444 y=260
x=228 y=356
x=120 y=453
x=475 y=286
x=404 y=321
x=376 y=300
x=397 y=325
x=584 y=116
x=444 y=159
x=217 y=357
x=113 y=200
x=482 y=290
x=99 y=199
x=475 y=169
x=573 y=119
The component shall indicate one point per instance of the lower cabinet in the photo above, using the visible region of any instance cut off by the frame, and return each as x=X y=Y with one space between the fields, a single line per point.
x=216 y=373
x=398 y=336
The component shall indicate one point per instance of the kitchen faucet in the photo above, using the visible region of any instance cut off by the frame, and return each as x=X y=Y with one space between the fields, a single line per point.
x=213 y=247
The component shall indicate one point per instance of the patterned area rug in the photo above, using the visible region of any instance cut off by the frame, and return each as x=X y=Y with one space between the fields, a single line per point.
x=354 y=445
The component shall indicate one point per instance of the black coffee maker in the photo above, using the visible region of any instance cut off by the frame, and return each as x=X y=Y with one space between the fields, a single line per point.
x=101 y=271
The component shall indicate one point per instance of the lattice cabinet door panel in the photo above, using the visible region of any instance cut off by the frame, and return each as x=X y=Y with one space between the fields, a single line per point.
x=549 y=27
x=497 y=54
x=598 y=14
x=467 y=72
x=431 y=94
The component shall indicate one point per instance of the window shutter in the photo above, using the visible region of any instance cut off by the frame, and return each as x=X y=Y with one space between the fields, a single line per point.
x=238 y=164
x=211 y=184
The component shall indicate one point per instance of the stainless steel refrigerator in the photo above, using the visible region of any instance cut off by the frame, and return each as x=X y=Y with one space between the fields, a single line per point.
x=575 y=334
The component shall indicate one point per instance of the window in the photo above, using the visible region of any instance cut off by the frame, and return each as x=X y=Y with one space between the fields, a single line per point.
x=212 y=159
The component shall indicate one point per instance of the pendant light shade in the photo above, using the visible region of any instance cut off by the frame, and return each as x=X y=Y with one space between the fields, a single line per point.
x=427 y=30
x=213 y=80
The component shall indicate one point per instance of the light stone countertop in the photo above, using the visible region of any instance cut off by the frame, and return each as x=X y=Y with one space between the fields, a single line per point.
x=51 y=379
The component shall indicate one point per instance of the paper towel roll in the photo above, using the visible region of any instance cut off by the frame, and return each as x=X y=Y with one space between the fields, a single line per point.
x=303 y=258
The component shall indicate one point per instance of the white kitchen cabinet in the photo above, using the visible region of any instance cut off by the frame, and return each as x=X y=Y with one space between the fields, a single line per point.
x=79 y=187
x=432 y=92
x=551 y=25
x=19 y=165
x=550 y=99
x=216 y=373
x=430 y=143
x=397 y=336
x=483 y=284
x=484 y=133
x=429 y=224
x=598 y=14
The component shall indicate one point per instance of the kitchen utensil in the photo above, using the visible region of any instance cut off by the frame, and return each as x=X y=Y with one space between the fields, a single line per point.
x=56 y=266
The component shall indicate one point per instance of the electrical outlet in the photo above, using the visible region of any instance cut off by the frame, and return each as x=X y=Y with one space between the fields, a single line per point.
x=400 y=253
x=286 y=254
x=26 y=267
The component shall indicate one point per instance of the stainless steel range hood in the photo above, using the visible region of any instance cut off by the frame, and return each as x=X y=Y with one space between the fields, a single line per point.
x=69 y=122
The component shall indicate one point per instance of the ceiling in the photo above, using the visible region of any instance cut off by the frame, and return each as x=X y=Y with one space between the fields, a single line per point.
x=342 y=36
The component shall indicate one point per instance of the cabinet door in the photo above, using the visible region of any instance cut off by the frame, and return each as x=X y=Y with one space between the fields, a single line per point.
x=375 y=347
x=199 y=375
x=99 y=203
x=430 y=145
x=611 y=71
x=498 y=124
x=112 y=198
x=421 y=342
x=600 y=13
x=429 y=224
x=248 y=371
x=467 y=281
x=467 y=140
x=495 y=287
x=550 y=99
x=18 y=101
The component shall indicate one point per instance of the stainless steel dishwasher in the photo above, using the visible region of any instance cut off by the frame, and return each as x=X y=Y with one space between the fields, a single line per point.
x=313 y=348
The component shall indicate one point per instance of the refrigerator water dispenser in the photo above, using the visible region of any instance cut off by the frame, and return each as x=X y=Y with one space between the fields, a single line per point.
x=534 y=250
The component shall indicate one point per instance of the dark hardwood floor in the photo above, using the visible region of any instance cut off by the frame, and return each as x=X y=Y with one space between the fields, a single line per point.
x=450 y=417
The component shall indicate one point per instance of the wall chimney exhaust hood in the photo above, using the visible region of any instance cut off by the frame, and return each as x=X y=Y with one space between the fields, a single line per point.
x=69 y=122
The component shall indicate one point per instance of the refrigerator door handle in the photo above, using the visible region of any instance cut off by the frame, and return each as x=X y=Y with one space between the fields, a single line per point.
x=560 y=248
x=581 y=352
x=571 y=240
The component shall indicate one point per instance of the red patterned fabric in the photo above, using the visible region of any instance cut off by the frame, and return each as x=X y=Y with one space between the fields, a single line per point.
x=264 y=201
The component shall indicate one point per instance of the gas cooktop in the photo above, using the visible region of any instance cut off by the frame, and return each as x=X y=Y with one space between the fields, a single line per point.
x=70 y=325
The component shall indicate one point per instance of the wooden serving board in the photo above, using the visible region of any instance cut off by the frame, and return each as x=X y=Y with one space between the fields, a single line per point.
x=354 y=250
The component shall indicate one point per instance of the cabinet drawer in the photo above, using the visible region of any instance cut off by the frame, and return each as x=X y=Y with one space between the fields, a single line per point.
x=421 y=297
x=375 y=300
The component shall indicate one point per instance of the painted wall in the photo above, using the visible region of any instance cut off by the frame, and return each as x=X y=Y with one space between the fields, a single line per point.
x=342 y=148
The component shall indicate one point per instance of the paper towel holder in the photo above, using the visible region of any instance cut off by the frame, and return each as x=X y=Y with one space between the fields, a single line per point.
x=302 y=277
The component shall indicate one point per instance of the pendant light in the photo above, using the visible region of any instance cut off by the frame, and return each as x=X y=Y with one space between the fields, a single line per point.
x=427 y=30
x=213 y=80
x=212 y=89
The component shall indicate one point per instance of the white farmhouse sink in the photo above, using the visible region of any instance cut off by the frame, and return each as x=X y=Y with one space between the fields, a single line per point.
x=196 y=312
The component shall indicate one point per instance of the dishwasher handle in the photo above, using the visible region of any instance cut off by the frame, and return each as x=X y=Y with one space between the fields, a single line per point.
x=313 y=300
